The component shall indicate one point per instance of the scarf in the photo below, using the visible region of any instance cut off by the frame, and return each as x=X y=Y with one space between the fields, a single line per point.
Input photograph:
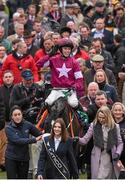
x=98 y=137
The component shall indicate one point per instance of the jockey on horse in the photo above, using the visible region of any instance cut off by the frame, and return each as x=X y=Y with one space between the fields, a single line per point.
x=66 y=76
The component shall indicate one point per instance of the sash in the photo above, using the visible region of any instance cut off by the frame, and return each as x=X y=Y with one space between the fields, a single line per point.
x=56 y=160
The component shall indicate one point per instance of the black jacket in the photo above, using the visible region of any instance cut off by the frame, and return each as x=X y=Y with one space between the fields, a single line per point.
x=89 y=76
x=2 y=112
x=32 y=50
x=19 y=140
x=5 y=91
x=119 y=58
x=122 y=130
x=64 y=151
x=22 y=97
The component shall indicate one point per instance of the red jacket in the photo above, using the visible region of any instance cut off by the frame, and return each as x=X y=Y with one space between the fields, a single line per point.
x=27 y=62
x=82 y=54
x=1 y=77
x=39 y=54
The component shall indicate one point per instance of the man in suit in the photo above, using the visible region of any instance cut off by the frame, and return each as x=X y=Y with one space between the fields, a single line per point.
x=55 y=14
x=19 y=30
x=99 y=46
x=28 y=38
x=102 y=33
x=68 y=15
x=120 y=18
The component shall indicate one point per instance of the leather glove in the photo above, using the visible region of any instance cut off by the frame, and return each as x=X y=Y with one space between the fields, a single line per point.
x=115 y=157
x=76 y=139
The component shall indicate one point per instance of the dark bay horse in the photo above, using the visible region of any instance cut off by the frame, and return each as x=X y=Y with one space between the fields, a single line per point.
x=60 y=108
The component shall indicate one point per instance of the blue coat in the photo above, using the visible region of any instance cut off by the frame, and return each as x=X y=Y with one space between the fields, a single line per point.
x=111 y=92
x=19 y=140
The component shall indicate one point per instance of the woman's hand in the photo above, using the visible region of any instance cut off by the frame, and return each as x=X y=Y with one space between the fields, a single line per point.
x=40 y=177
x=39 y=138
x=120 y=166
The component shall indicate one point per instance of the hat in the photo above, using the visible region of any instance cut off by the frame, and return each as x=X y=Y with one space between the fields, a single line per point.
x=69 y=6
x=27 y=74
x=47 y=77
x=88 y=8
x=99 y=4
x=65 y=29
x=75 y=5
x=28 y=34
x=98 y=58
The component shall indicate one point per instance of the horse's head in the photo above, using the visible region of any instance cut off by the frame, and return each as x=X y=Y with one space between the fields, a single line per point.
x=59 y=105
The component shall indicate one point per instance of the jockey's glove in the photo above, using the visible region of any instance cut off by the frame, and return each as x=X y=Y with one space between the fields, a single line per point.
x=115 y=157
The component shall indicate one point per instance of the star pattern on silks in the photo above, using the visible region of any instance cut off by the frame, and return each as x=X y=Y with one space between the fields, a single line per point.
x=63 y=71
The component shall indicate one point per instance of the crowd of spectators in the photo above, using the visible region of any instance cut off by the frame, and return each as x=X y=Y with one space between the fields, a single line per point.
x=30 y=36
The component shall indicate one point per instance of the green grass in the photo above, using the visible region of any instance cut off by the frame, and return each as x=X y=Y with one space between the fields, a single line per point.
x=3 y=175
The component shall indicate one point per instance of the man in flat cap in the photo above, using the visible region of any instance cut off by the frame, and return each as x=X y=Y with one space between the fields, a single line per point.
x=98 y=63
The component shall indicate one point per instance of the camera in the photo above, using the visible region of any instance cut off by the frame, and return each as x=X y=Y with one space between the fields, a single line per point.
x=123 y=69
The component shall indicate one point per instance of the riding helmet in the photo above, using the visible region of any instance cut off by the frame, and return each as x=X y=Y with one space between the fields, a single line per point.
x=65 y=42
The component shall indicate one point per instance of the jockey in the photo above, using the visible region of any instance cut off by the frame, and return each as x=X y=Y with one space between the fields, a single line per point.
x=66 y=75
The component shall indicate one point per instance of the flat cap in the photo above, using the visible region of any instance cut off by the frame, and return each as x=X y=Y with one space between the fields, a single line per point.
x=99 y=4
x=98 y=58
x=76 y=5
x=69 y=6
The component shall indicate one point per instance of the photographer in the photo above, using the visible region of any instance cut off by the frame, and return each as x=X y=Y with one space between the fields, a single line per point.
x=26 y=94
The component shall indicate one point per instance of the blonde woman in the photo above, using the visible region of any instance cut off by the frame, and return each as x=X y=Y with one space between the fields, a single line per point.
x=101 y=79
x=118 y=111
x=44 y=9
x=108 y=145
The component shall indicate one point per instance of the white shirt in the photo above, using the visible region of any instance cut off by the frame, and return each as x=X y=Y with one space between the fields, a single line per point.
x=57 y=141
